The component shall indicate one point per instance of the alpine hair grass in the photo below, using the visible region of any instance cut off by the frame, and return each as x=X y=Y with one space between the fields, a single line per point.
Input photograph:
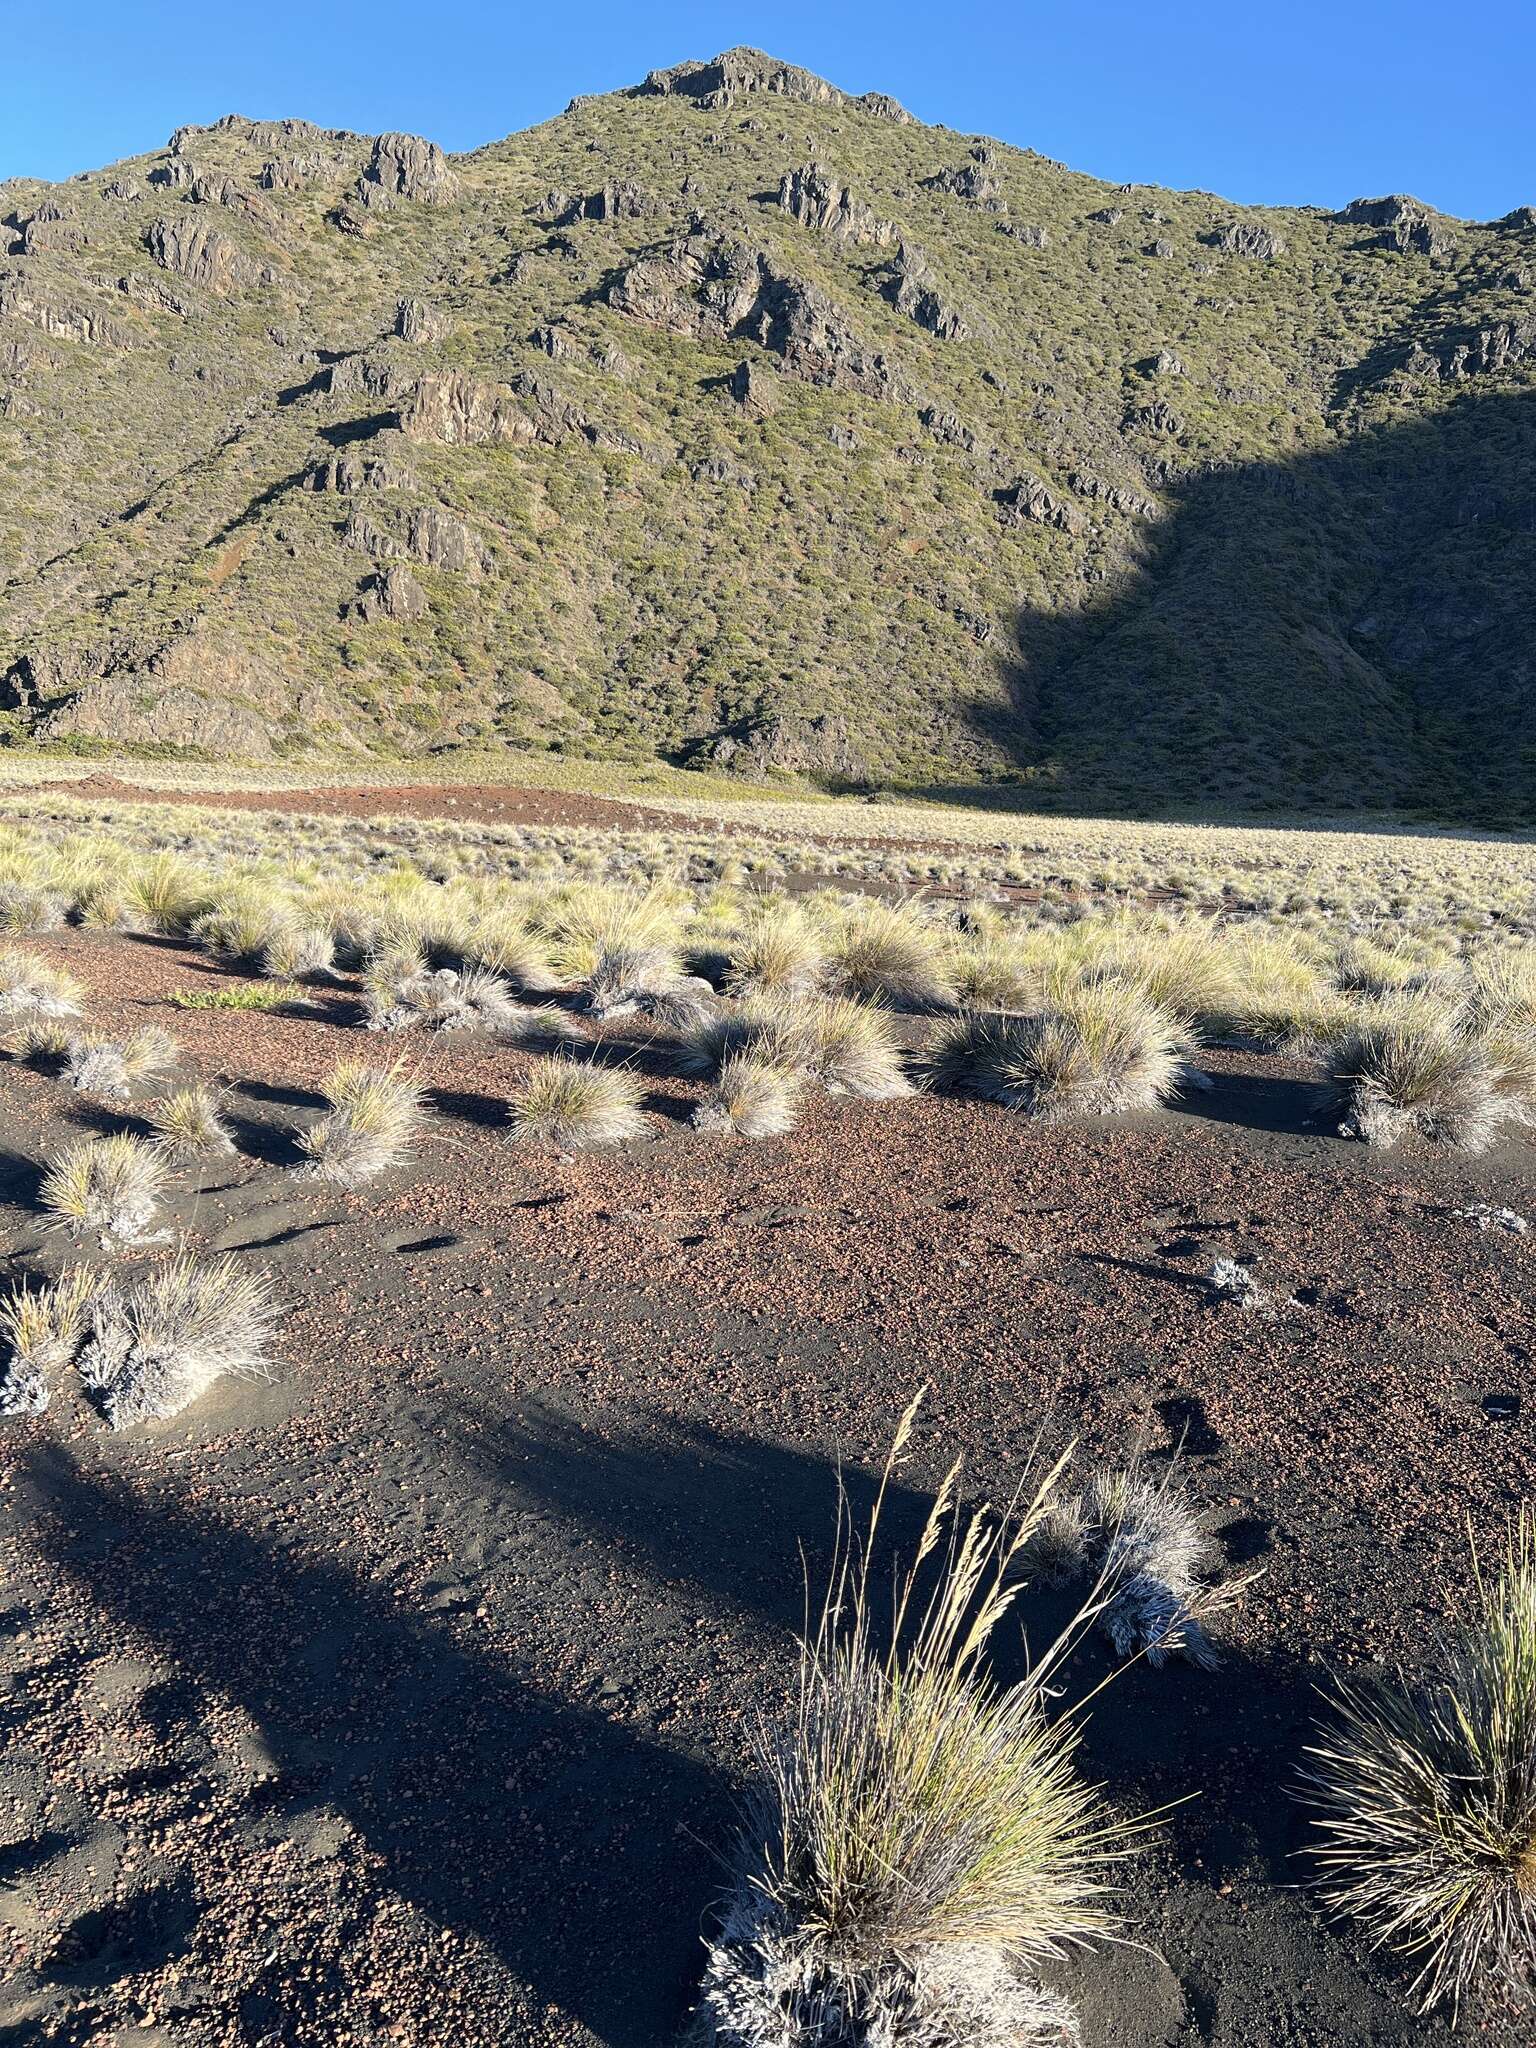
x=26 y=907
x=159 y=1343
x=42 y=1328
x=296 y=950
x=896 y=953
x=1406 y=1068
x=569 y=1104
x=373 y=1116
x=1426 y=1795
x=188 y=1124
x=779 y=952
x=111 y=1068
x=29 y=985
x=35 y=1038
x=847 y=1047
x=166 y=892
x=920 y=1841
x=111 y=1186
x=647 y=981
x=750 y=1098
x=1102 y=1047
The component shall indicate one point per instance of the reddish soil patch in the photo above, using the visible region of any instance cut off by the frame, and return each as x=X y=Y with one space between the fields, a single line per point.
x=415 y=1684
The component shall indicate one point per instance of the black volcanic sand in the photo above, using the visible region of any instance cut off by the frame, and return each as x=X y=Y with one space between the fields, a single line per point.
x=404 y=1698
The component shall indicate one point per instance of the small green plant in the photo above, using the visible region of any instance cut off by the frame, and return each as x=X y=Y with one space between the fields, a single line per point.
x=249 y=995
x=1426 y=1790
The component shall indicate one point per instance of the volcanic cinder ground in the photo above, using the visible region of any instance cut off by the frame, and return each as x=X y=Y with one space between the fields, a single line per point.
x=405 y=1698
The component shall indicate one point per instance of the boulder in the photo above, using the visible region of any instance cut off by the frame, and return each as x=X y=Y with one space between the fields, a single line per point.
x=457 y=411
x=1029 y=501
x=416 y=320
x=972 y=183
x=912 y=290
x=392 y=593
x=1247 y=238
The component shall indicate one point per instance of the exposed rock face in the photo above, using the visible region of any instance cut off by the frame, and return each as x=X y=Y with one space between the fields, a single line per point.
x=1245 y=238
x=1162 y=247
x=154 y=296
x=187 y=693
x=1166 y=363
x=367 y=376
x=51 y=231
x=458 y=411
x=947 y=427
x=416 y=320
x=816 y=198
x=1116 y=496
x=393 y=593
x=203 y=256
x=721 y=469
x=235 y=199
x=260 y=134
x=912 y=290
x=292 y=173
x=174 y=176
x=350 y=473
x=1386 y=212
x=971 y=183
x=65 y=323
x=1031 y=502
x=122 y=188
x=405 y=167
x=735 y=73
x=717 y=290
x=426 y=533
x=1029 y=236
x=751 y=388
x=621 y=200
x=1494 y=348
x=884 y=108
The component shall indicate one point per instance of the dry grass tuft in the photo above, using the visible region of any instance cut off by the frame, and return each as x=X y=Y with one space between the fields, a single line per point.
x=779 y=953
x=1407 y=1069
x=42 y=1328
x=1102 y=1048
x=111 y=1186
x=29 y=986
x=1427 y=1796
x=373 y=1116
x=570 y=1105
x=157 y=1345
x=893 y=953
x=921 y=1842
x=111 y=1068
x=188 y=1124
x=27 y=907
x=750 y=1098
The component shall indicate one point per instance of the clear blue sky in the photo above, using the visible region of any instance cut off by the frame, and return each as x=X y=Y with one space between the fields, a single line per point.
x=1275 y=102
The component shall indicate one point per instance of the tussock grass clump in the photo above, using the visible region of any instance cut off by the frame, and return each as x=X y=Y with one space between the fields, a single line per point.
x=1103 y=1047
x=297 y=950
x=28 y=907
x=920 y=1842
x=42 y=1329
x=1427 y=1796
x=1184 y=970
x=188 y=1124
x=570 y=1105
x=1141 y=1541
x=36 y=1040
x=995 y=971
x=373 y=1116
x=158 y=1344
x=1501 y=991
x=1406 y=1069
x=750 y=1098
x=895 y=953
x=242 y=921
x=165 y=893
x=580 y=922
x=31 y=986
x=849 y=1048
x=112 y=1068
x=779 y=953
x=111 y=1186
x=648 y=981
x=501 y=940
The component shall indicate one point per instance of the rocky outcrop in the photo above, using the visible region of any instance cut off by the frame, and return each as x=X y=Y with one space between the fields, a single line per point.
x=416 y=320
x=367 y=376
x=1116 y=496
x=816 y=197
x=621 y=200
x=292 y=173
x=735 y=74
x=1493 y=349
x=211 y=191
x=186 y=693
x=154 y=296
x=722 y=469
x=456 y=411
x=124 y=189
x=1029 y=501
x=1247 y=238
x=51 y=231
x=913 y=290
x=425 y=533
x=947 y=427
x=710 y=289
x=405 y=167
x=64 y=322
x=1025 y=233
x=348 y=473
x=392 y=593
x=260 y=134
x=1386 y=212
x=972 y=183
x=203 y=256
x=884 y=107
x=174 y=176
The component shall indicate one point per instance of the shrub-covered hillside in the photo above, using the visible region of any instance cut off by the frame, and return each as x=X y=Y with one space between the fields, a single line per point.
x=735 y=419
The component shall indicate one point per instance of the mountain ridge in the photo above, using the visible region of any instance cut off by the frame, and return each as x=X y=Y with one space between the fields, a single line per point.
x=735 y=419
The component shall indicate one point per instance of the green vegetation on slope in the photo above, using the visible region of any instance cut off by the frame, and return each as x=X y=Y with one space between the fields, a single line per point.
x=632 y=436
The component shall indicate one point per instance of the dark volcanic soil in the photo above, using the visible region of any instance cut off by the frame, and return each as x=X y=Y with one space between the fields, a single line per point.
x=403 y=1699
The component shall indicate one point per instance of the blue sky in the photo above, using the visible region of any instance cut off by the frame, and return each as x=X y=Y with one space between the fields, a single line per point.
x=1302 y=102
